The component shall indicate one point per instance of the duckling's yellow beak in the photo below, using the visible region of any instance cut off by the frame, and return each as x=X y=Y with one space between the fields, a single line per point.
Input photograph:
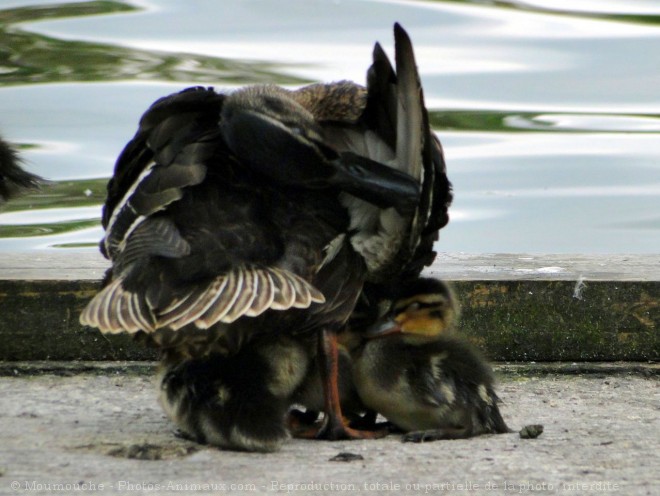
x=383 y=327
x=419 y=324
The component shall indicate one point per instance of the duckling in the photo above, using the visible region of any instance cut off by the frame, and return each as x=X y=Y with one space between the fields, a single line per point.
x=261 y=213
x=12 y=177
x=423 y=377
x=238 y=401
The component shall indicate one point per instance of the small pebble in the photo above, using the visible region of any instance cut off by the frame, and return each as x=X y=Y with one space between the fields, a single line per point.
x=346 y=457
x=531 y=431
x=144 y=451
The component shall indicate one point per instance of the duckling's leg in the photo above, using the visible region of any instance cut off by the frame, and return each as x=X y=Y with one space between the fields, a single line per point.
x=495 y=425
x=437 y=434
x=334 y=426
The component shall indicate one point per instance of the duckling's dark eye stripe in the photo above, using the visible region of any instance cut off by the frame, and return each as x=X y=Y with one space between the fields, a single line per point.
x=422 y=301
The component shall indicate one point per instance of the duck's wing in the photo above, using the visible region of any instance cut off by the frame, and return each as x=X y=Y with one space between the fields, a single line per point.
x=239 y=292
x=277 y=134
x=168 y=154
x=186 y=247
x=13 y=178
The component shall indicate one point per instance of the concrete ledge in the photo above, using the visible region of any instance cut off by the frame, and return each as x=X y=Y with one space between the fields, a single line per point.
x=516 y=307
x=90 y=266
x=148 y=368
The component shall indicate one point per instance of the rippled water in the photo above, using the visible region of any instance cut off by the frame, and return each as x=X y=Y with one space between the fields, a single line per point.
x=549 y=110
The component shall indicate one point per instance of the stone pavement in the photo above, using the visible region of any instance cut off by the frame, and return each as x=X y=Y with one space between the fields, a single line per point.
x=97 y=429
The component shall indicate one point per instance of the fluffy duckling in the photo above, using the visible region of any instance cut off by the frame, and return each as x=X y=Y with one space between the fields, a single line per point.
x=12 y=178
x=422 y=377
x=239 y=401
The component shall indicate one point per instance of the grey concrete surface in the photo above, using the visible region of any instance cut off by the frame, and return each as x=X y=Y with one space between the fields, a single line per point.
x=90 y=265
x=102 y=432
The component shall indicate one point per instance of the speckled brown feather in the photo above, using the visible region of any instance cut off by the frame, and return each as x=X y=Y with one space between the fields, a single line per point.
x=340 y=102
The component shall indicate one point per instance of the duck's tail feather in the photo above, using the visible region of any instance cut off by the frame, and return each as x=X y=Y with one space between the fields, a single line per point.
x=410 y=132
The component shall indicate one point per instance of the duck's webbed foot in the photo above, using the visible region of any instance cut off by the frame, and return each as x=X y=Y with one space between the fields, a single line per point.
x=303 y=425
x=333 y=429
x=330 y=430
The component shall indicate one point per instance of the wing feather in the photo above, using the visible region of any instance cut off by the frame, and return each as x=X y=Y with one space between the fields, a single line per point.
x=247 y=293
x=115 y=310
x=285 y=292
x=242 y=292
x=185 y=307
x=224 y=300
x=109 y=313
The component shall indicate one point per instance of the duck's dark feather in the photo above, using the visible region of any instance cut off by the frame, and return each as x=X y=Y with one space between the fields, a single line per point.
x=388 y=123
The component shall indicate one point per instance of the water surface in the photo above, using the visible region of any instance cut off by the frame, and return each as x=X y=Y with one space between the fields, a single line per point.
x=548 y=110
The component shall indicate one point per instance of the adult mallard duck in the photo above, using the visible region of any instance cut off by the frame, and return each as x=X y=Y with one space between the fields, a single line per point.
x=13 y=178
x=233 y=218
x=423 y=377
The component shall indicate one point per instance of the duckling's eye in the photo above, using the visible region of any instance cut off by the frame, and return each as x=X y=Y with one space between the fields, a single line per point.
x=413 y=307
x=383 y=308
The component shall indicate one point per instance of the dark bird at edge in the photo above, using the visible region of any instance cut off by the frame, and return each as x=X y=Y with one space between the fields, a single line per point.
x=13 y=179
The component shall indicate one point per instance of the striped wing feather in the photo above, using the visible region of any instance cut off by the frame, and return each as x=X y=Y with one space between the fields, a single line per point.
x=242 y=292
x=176 y=142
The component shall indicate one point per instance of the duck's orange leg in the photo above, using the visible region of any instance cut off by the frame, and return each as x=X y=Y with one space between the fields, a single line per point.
x=334 y=425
